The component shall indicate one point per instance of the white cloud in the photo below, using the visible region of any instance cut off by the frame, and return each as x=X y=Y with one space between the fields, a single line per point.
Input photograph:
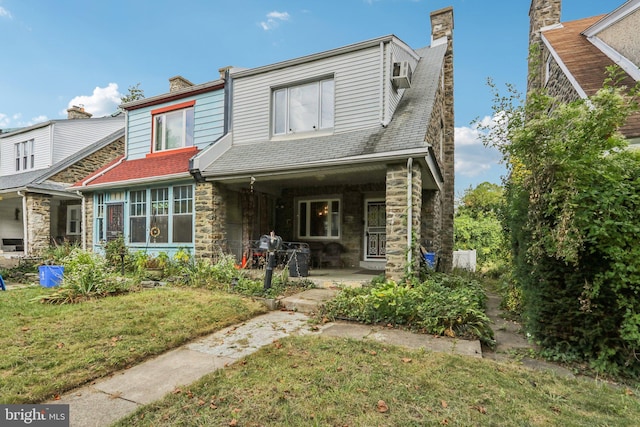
x=273 y=20
x=15 y=121
x=4 y=13
x=102 y=102
x=4 y=120
x=472 y=158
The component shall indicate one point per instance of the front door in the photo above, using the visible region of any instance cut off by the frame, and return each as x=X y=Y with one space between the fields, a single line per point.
x=375 y=230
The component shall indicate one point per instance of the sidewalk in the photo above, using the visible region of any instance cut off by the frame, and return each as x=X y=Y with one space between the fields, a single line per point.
x=107 y=400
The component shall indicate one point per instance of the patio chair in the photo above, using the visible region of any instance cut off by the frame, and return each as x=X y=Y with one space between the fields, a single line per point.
x=332 y=255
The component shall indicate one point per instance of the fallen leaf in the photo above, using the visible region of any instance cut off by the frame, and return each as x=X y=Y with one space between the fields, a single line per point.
x=628 y=392
x=25 y=328
x=325 y=320
x=339 y=369
x=132 y=349
x=235 y=410
x=480 y=409
x=212 y=406
x=555 y=409
x=444 y=404
x=177 y=391
x=233 y=423
x=60 y=345
x=56 y=397
x=201 y=402
x=449 y=332
x=373 y=352
x=406 y=360
x=382 y=406
x=277 y=344
x=445 y=422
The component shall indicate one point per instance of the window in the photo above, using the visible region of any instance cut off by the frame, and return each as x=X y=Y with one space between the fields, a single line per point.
x=319 y=218
x=303 y=108
x=183 y=214
x=161 y=215
x=74 y=218
x=24 y=155
x=172 y=129
x=100 y=217
x=138 y=216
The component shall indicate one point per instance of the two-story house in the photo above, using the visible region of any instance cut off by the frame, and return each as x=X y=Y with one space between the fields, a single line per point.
x=37 y=165
x=352 y=146
x=147 y=195
x=570 y=58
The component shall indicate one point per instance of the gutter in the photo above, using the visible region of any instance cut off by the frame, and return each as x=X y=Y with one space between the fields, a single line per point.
x=136 y=181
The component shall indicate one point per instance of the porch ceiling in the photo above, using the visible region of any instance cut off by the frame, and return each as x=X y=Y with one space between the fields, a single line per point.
x=356 y=174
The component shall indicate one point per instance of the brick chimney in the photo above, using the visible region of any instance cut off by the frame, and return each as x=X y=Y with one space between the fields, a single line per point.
x=542 y=13
x=178 y=82
x=442 y=32
x=77 y=112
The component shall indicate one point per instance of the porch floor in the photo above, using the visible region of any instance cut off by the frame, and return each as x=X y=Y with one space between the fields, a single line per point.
x=333 y=277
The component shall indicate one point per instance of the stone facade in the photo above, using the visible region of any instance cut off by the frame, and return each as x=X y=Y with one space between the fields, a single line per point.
x=90 y=164
x=542 y=13
x=558 y=85
x=88 y=220
x=210 y=232
x=442 y=26
x=38 y=218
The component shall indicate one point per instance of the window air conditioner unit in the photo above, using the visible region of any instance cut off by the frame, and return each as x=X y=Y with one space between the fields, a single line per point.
x=401 y=76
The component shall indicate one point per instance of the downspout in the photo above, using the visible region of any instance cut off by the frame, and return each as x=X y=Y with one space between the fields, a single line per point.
x=24 y=223
x=83 y=222
x=381 y=100
x=409 y=211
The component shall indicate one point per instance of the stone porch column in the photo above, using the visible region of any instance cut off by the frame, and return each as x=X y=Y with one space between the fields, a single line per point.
x=210 y=236
x=397 y=211
x=38 y=217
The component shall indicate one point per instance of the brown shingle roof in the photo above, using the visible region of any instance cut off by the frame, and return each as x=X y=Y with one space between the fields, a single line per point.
x=586 y=63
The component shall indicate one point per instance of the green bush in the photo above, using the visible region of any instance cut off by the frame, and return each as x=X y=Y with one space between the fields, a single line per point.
x=442 y=304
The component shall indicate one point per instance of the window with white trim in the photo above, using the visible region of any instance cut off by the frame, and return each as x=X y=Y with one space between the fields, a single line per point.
x=183 y=214
x=24 y=155
x=99 y=216
x=173 y=129
x=74 y=219
x=319 y=218
x=138 y=216
x=303 y=108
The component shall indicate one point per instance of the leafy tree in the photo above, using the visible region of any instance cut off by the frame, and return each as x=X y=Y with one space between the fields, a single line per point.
x=134 y=93
x=477 y=225
x=573 y=199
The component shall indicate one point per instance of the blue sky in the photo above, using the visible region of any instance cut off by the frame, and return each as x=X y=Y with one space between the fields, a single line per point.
x=55 y=54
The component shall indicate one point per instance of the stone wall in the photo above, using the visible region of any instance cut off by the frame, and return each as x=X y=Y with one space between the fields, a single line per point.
x=558 y=85
x=442 y=26
x=90 y=164
x=38 y=219
x=542 y=13
x=210 y=235
x=87 y=221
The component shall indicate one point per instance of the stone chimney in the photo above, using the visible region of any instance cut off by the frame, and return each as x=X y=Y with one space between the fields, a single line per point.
x=542 y=13
x=77 y=112
x=442 y=32
x=178 y=82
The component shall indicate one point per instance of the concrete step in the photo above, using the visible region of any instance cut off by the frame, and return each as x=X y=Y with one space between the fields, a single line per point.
x=307 y=301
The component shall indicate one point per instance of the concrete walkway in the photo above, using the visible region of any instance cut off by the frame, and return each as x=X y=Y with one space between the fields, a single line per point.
x=107 y=400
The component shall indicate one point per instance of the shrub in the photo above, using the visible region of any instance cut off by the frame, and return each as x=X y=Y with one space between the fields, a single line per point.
x=441 y=304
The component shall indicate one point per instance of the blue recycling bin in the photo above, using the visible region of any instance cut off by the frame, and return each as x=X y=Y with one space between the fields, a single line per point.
x=50 y=275
x=430 y=259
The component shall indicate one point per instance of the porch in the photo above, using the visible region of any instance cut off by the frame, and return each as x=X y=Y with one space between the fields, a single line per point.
x=329 y=277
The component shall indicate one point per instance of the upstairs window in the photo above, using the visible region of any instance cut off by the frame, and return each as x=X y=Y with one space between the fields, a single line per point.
x=173 y=127
x=24 y=155
x=303 y=108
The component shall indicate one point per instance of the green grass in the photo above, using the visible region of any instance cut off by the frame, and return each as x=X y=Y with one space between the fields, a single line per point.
x=318 y=381
x=49 y=349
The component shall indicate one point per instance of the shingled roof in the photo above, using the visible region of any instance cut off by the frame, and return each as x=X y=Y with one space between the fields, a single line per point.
x=585 y=63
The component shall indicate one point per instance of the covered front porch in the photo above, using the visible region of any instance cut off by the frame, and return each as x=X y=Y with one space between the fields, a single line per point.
x=377 y=214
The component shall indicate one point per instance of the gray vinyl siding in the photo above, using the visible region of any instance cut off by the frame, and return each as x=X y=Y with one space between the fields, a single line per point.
x=208 y=123
x=357 y=93
x=70 y=136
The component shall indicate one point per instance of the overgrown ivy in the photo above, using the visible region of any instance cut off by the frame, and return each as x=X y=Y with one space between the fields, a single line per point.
x=573 y=206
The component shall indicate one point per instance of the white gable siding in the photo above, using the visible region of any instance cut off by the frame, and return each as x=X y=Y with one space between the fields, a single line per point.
x=208 y=123
x=357 y=93
x=71 y=136
x=41 y=143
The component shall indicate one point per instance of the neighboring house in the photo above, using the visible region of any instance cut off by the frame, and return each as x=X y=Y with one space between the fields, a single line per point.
x=148 y=195
x=572 y=57
x=351 y=146
x=38 y=164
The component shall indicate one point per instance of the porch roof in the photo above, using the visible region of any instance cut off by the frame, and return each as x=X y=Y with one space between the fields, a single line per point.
x=404 y=137
x=154 y=167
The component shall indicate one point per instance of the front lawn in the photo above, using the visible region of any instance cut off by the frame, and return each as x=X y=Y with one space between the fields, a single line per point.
x=318 y=381
x=49 y=349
